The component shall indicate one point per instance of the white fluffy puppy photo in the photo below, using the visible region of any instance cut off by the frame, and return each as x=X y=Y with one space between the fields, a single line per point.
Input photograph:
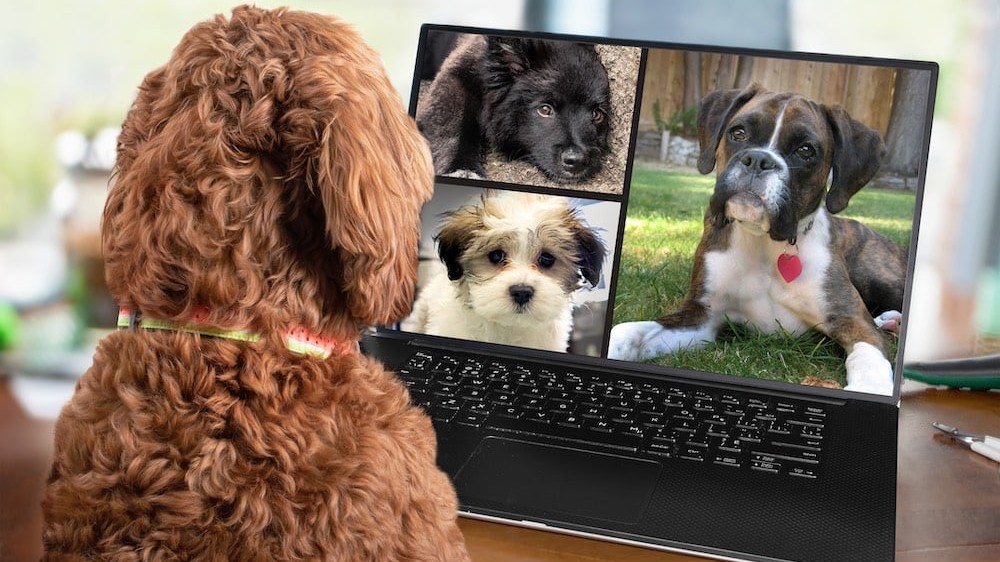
x=509 y=266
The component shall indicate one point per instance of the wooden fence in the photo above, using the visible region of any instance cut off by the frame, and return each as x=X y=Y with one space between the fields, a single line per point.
x=678 y=79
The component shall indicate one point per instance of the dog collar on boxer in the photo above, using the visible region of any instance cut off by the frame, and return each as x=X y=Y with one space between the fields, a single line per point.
x=793 y=241
x=298 y=340
x=790 y=265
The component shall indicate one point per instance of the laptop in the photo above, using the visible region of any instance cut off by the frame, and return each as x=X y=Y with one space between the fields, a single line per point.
x=745 y=447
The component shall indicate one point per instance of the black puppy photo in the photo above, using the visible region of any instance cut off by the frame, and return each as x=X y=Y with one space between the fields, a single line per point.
x=546 y=103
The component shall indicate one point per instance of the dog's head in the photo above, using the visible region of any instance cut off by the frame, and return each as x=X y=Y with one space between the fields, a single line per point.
x=518 y=257
x=548 y=102
x=269 y=173
x=773 y=153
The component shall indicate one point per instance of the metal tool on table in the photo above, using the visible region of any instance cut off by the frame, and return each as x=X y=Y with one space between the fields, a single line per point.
x=986 y=445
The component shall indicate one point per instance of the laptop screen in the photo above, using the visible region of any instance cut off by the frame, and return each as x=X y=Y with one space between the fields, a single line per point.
x=725 y=212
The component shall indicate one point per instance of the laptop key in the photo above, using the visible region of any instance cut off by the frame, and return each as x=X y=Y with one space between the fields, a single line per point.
x=542 y=417
x=747 y=434
x=636 y=431
x=557 y=407
x=691 y=453
x=443 y=414
x=786 y=407
x=683 y=424
x=501 y=398
x=530 y=403
x=420 y=361
x=478 y=407
x=652 y=419
x=586 y=434
x=621 y=417
x=414 y=374
x=446 y=390
x=804 y=472
x=509 y=412
x=729 y=445
x=783 y=456
x=662 y=448
x=600 y=426
x=470 y=419
x=798 y=442
x=765 y=466
x=567 y=420
x=728 y=460
x=813 y=432
x=623 y=404
x=446 y=364
x=471 y=392
x=449 y=379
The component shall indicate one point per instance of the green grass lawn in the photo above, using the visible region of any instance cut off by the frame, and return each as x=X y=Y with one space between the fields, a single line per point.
x=664 y=224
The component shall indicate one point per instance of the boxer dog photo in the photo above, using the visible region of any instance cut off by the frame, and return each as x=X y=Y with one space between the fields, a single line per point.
x=772 y=253
x=511 y=264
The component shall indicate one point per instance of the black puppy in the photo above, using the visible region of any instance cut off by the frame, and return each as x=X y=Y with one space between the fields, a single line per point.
x=546 y=102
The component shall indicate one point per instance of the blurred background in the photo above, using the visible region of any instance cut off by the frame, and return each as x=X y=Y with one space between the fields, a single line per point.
x=68 y=72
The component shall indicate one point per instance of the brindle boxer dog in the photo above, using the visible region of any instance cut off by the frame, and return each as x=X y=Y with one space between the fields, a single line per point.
x=771 y=253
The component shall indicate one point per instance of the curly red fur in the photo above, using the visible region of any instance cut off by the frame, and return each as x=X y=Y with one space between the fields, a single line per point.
x=269 y=175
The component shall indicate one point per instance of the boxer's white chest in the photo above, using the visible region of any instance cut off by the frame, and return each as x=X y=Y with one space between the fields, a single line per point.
x=743 y=282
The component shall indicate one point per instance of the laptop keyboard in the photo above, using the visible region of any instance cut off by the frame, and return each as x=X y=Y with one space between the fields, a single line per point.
x=649 y=418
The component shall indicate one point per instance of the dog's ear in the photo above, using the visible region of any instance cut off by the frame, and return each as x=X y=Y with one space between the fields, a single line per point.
x=714 y=111
x=459 y=227
x=372 y=170
x=857 y=154
x=511 y=56
x=451 y=246
x=124 y=223
x=591 y=252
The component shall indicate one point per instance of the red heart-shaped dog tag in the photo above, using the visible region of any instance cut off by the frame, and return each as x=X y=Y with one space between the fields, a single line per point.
x=789 y=266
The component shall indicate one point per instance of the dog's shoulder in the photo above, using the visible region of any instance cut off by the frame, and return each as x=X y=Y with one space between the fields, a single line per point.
x=857 y=241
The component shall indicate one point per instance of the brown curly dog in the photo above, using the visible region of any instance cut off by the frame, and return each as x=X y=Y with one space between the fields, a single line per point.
x=264 y=211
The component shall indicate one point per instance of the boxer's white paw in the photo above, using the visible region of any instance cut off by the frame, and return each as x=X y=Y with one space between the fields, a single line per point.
x=638 y=341
x=868 y=370
x=625 y=342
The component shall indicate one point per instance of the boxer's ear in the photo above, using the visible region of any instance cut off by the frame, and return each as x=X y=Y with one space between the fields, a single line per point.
x=857 y=154
x=714 y=111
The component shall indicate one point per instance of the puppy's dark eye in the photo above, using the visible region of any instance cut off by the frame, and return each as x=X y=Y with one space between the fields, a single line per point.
x=597 y=116
x=546 y=260
x=546 y=110
x=738 y=134
x=496 y=256
x=805 y=151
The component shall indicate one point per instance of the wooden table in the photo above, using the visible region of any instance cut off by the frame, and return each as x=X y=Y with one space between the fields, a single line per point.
x=948 y=501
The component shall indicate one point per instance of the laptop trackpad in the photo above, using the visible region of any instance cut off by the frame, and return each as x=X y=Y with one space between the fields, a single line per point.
x=508 y=474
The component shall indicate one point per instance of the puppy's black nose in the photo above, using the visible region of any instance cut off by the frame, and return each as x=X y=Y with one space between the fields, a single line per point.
x=758 y=160
x=521 y=294
x=573 y=158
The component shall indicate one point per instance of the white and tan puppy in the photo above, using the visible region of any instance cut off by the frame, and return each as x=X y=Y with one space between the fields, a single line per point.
x=511 y=264
x=772 y=253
